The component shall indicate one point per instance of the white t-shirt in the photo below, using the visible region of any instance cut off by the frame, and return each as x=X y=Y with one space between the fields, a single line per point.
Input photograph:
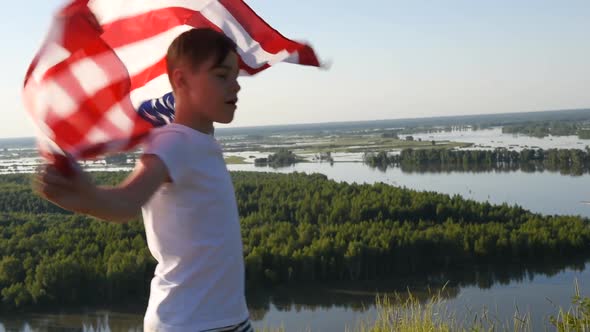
x=193 y=231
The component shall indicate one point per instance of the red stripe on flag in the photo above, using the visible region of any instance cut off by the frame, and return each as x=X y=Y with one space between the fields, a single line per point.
x=200 y=21
x=69 y=83
x=90 y=113
x=148 y=74
x=80 y=32
x=141 y=126
x=125 y=142
x=250 y=70
x=137 y=28
x=140 y=27
x=66 y=135
x=32 y=66
x=307 y=56
x=159 y=68
x=269 y=39
x=77 y=30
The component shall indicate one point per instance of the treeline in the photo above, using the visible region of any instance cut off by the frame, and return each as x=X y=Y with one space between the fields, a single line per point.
x=282 y=158
x=566 y=161
x=553 y=128
x=295 y=228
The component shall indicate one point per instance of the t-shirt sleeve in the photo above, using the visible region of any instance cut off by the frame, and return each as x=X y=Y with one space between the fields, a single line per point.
x=169 y=146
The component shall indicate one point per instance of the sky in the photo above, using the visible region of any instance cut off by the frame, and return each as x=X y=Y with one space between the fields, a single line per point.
x=389 y=59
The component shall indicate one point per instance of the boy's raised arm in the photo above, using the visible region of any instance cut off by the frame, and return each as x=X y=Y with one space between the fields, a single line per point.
x=117 y=204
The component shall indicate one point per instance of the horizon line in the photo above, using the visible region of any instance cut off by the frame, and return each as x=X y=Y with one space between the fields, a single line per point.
x=374 y=120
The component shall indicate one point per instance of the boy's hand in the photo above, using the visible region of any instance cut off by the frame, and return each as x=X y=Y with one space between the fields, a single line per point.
x=73 y=191
x=76 y=191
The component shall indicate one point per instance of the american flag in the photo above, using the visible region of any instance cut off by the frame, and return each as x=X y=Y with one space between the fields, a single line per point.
x=98 y=84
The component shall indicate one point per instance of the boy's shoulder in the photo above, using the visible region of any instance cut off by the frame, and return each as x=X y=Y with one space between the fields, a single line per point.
x=181 y=132
x=170 y=128
x=171 y=145
x=167 y=135
x=179 y=139
x=184 y=151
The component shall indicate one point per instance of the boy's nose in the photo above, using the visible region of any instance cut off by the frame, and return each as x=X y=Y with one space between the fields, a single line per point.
x=236 y=87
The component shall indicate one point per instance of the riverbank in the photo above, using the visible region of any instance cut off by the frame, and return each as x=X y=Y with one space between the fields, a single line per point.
x=413 y=315
x=400 y=312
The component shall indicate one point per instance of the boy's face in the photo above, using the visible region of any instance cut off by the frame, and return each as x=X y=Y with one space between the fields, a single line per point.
x=210 y=93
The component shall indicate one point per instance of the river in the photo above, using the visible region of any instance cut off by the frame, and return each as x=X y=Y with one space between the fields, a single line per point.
x=544 y=192
x=500 y=291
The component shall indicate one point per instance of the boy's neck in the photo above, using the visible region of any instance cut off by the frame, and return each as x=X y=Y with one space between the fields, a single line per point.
x=190 y=119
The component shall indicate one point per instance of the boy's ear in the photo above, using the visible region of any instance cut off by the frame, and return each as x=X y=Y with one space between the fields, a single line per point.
x=177 y=78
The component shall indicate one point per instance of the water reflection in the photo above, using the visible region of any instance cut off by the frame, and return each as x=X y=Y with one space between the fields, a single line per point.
x=343 y=302
x=97 y=321
x=537 y=289
x=525 y=167
x=360 y=296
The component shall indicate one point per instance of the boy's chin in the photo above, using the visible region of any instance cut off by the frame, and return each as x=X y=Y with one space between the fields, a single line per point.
x=225 y=120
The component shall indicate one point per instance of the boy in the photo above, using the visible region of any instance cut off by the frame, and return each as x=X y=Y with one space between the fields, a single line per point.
x=185 y=193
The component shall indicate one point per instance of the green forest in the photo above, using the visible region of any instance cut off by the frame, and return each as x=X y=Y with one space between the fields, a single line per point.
x=296 y=228
x=565 y=161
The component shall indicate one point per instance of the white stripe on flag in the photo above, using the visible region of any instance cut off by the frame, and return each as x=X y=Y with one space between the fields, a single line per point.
x=116 y=116
x=119 y=117
x=97 y=136
x=51 y=56
x=155 y=88
x=112 y=143
x=108 y=11
x=86 y=68
x=250 y=50
x=51 y=93
x=293 y=58
x=143 y=54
